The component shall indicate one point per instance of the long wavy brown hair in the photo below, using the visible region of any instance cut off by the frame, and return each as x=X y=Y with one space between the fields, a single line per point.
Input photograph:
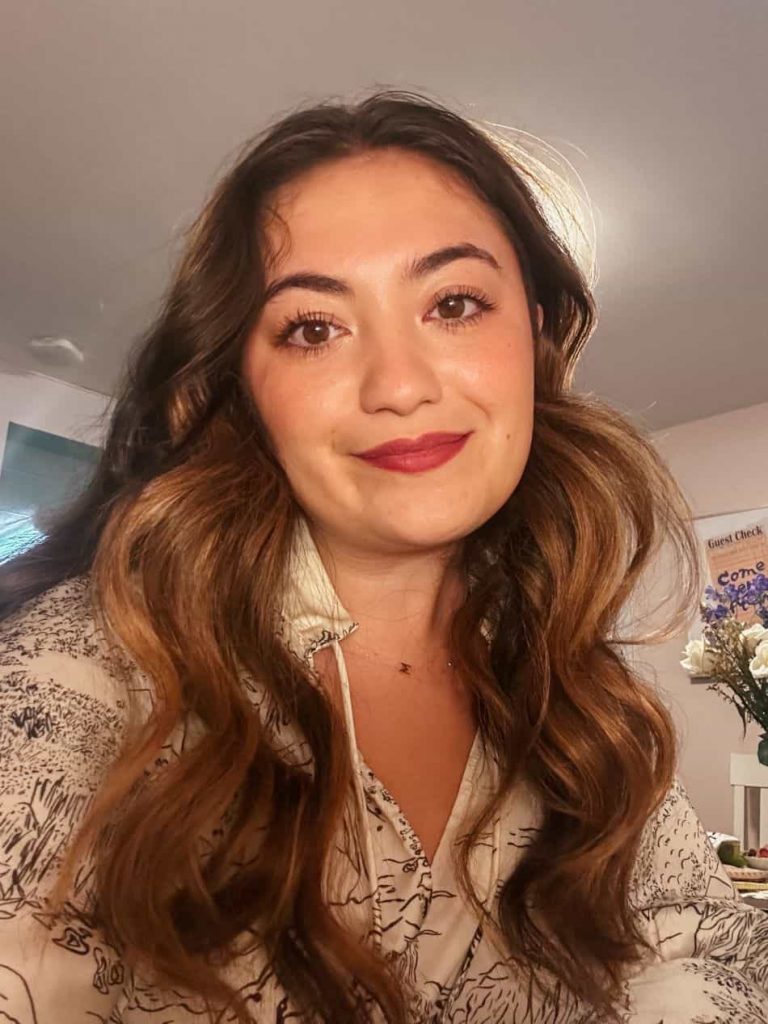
x=185 y=533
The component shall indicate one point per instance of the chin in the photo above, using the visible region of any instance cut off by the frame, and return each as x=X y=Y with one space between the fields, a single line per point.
x=420 y=527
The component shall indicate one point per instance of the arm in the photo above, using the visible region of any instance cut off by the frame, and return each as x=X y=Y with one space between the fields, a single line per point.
x=711 y=959
x=61 y=722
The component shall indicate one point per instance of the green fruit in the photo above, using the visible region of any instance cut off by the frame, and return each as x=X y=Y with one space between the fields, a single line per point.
x=730 y=853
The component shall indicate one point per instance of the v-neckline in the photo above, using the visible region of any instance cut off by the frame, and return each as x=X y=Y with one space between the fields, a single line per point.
x=457 y=810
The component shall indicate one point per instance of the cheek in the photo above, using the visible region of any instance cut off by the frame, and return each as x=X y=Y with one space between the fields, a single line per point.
x=500 y=376
x=503 y=386
x=280 y=405
x=297 y=411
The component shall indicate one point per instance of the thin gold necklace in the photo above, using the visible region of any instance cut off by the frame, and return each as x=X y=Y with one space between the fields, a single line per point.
x=405 y=667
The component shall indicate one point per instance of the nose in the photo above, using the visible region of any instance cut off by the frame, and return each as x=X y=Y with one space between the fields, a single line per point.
x=399 y=372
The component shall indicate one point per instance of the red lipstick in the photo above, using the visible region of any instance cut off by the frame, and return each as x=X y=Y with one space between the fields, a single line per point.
x=415 y=454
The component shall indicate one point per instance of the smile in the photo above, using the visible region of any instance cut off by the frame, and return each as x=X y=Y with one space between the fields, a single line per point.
x=415 y=455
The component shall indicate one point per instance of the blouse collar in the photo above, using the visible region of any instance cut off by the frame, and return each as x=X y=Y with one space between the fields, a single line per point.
x=312 y=614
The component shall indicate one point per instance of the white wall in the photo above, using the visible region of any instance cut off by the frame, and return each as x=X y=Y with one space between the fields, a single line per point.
x=32 y=400
x=720 y=463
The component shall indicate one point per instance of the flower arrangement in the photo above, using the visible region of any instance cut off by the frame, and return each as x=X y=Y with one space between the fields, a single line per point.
x=733 y=653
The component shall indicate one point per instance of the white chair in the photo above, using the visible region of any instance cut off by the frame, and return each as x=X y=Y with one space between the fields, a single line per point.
x=748 y=775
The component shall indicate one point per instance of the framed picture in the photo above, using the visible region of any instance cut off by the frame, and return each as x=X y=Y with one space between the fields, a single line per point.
x=50 y=439
x=734 y=549
x=40 y=473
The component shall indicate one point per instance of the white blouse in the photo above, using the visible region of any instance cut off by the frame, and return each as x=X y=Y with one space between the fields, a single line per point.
x=63 y=711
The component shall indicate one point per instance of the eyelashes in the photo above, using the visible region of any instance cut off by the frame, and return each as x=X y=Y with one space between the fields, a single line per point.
x=305 y=318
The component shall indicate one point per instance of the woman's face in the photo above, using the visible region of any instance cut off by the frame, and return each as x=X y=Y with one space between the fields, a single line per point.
x=388 y=335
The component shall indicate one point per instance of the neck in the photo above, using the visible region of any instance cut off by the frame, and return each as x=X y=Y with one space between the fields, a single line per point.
x=404 y=601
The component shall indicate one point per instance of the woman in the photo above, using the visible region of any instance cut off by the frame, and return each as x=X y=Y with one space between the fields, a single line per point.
x=321 y=674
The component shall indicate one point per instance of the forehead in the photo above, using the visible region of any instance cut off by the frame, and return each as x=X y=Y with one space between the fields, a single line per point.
x=384 y=200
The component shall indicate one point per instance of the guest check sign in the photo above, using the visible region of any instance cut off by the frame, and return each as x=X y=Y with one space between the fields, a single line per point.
x=737 y=554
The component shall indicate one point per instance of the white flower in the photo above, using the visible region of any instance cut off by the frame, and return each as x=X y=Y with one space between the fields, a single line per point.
x=754 y=635
x=698 y=661
x=759 y=664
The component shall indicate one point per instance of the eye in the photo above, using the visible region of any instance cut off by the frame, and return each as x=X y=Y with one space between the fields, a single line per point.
x=309 y=332
x=452 y=307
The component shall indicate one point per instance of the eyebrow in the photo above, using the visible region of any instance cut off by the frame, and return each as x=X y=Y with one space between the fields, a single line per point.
x=417 y=268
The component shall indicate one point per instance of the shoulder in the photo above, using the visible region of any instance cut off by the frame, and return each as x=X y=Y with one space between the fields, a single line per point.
x=61 y=620
x=58 y=672
x=63 y=715
x=63 y=712
x=55 y=640
x=675 y=860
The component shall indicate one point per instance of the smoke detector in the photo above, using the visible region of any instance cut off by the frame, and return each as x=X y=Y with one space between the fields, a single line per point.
x=55 y=351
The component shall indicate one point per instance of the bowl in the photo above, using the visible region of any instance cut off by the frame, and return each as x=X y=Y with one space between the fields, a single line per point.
x=746 y=874
x=761 y=863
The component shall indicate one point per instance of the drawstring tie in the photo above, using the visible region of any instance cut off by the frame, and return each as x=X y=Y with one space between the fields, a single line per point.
x=360 y=798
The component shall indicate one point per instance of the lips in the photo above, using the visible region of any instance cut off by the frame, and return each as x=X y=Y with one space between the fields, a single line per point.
x=407 y=445
x=415 y=455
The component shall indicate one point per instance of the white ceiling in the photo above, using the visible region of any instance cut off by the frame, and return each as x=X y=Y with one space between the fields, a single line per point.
x=116 y=117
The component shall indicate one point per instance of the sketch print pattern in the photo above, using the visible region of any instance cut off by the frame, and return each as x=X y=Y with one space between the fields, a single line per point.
x=64 y=700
